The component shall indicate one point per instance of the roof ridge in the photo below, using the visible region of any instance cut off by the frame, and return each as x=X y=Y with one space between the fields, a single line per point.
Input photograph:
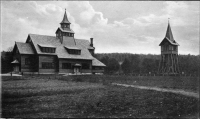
x=19 y=42
x=80 y=39
x=41 y=35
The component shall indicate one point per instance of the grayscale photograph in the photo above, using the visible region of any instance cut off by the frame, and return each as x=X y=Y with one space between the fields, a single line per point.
x=100 y=59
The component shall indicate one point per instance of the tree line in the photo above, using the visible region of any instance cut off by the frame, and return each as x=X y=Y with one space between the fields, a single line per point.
x=127 y=63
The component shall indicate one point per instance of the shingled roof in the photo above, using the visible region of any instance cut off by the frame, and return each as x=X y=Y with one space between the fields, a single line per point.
x=24 y=48
x=61 y=52
x=65 y=19
x=96 y=62
x=169 y=37
x=67 y=30
x=169 y=34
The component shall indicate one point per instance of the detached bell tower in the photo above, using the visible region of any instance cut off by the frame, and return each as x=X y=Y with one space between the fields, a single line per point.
x=169 y=54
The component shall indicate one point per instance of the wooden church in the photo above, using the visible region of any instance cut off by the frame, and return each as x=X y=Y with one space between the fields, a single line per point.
x=61 y=53
x=169 y=54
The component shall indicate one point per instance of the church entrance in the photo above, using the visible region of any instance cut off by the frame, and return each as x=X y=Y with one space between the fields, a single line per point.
x=16 y=68
x=15 y=65
x=77 y=68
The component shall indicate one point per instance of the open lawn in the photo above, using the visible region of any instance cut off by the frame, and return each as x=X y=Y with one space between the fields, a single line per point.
x=88 y=96
x=172 y=82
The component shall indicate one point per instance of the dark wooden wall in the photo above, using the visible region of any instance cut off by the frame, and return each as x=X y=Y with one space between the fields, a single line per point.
x=46 y=58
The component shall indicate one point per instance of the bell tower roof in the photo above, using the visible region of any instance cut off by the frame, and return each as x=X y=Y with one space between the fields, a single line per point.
x=169 y=34
x=65 y=19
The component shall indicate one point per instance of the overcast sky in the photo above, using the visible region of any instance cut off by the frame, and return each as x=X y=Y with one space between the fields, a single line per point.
x=120 y=26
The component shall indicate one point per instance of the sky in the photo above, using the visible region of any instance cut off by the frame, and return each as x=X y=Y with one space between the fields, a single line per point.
x=135 y=27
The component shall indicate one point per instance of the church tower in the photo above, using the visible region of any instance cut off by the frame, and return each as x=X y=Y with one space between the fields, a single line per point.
x=64 y=31
x=169 y=54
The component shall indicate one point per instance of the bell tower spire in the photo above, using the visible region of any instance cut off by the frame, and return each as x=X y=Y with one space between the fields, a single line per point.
x=65 y=22
x=169 y=34
x=64 y=31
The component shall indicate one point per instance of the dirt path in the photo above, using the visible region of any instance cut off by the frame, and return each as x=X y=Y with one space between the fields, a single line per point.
x=186 y=93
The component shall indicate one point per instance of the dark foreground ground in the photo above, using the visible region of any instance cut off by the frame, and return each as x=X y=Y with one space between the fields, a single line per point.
x=93 y=96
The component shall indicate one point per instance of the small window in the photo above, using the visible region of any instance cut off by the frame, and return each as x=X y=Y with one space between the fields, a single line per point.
x=66 y=66
x=47 y=65
x=48 y=50
x=85 y=66
x=75 y=52
x=175 y=49
x=27 y=61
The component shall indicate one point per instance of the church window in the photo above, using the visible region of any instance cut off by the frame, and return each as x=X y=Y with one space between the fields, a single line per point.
x=27 y=61
x=66 y=66
x=75 y=52
x=47 y=65
x=48 y=50
x=85 y=66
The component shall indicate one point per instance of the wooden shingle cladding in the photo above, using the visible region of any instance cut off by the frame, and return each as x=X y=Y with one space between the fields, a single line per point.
x=28 y=63
x=73 y=62
x=47 y=60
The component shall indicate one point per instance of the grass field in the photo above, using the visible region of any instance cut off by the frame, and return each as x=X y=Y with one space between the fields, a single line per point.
x=172 y=82
x=90 y=96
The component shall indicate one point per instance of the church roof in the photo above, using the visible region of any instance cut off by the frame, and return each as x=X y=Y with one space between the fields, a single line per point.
x=65 y=19
x=65 y=30
x=24 y=48
x=15 y=62
x=96 y=62
x=61 y=51
x=72 y=47
x=44 y=45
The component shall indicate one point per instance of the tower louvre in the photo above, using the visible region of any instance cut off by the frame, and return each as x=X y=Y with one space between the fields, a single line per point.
x=64 y=30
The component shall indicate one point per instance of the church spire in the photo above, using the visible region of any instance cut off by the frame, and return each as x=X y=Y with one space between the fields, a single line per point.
x=169 y=32
x=65 y=19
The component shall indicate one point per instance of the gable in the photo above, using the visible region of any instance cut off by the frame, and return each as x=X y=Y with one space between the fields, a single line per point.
x=24 y=48
x=15 y=50
x=168 y=41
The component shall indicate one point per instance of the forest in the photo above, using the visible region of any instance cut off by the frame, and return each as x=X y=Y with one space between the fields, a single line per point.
x=144 y=63
x=127 y=63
